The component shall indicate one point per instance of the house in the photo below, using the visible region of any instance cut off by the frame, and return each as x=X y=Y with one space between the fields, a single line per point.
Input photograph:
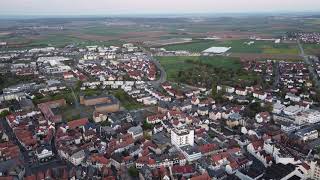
x=307 y=134
x=99 y=117
x=215 y=115
x=203 y=111
x=67 y=75
x=195 y=101
x=154 y=119
x=44 y=153
x=277 y=108
x=227 y=89
x=241 y=92
x=293 y=97
x=259 y=95
x=136 y=132
x=185 y=171
x=157 y=129
x=79 y=123
x=234 y=120
x=263 y=117
x=77 y=157
x=99 y=161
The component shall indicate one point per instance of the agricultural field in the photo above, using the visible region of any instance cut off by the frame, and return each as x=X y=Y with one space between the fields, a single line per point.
x=312 y=49
x=238 y=46
x=54 y=40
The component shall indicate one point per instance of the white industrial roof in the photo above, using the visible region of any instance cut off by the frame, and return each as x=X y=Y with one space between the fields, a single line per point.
x=217 y=50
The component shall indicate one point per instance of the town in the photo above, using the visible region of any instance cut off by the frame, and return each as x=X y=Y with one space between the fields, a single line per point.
x=178 y=108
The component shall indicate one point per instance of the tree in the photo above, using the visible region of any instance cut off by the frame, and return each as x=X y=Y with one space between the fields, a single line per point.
x=4 y=113
x=146 y=136
x=253 y=109
x=133 y=171
x=146 y=126
x=214 y=89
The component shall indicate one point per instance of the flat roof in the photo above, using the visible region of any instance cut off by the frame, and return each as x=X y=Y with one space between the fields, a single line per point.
x=217 y=50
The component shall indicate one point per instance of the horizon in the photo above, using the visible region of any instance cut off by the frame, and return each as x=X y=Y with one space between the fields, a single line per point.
x=145 y=7
x=163 y=15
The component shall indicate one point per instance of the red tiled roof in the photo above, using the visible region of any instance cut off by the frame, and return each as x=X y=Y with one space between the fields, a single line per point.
x=204 y=176
x=183 y=169
x=78 y=123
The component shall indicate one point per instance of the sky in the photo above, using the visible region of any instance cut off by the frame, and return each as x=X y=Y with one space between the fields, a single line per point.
x=106 y=7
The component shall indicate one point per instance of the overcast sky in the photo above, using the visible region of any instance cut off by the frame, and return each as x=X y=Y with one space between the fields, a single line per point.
x=105 y=7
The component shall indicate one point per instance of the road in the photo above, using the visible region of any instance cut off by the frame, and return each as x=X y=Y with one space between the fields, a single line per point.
x=309 y=64
x=163 y=74
x=276 y=75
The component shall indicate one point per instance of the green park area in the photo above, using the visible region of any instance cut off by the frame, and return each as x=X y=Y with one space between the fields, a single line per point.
x=126 y=101
x=202 y=71
x=238 y=46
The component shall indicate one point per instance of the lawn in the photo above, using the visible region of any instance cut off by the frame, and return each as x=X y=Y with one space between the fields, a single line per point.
x=237 y=46
x=176 y=64
x=204 y=71
x=126 y=101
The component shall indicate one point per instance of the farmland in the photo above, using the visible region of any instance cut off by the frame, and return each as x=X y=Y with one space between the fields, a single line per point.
x=313 y=49
x=238 y=46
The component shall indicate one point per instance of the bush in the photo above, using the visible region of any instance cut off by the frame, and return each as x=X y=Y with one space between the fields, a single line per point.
x=4 y=113
x=133 y=171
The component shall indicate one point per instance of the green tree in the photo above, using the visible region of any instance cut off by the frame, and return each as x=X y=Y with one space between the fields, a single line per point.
x=146 y=126
x=133 y=171
x=214 y=89
x=4 y=113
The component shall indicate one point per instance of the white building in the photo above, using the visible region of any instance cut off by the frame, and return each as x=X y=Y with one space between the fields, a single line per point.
x=277 y=108
x=293 y=97
x=307 y=134
x=292 y=110
x=77 y=157
x=310 y=116
x=216 y=50
x=314 y=170
x=44 y=153
x=182 y=137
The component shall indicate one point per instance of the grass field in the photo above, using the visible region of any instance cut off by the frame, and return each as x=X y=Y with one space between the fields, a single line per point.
x=238 y=46
x=126 y=101
x=173 y=65
x=203 y=71
x=312 y=49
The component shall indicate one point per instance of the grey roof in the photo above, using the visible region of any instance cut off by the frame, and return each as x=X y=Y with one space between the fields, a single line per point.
x=135 y=130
